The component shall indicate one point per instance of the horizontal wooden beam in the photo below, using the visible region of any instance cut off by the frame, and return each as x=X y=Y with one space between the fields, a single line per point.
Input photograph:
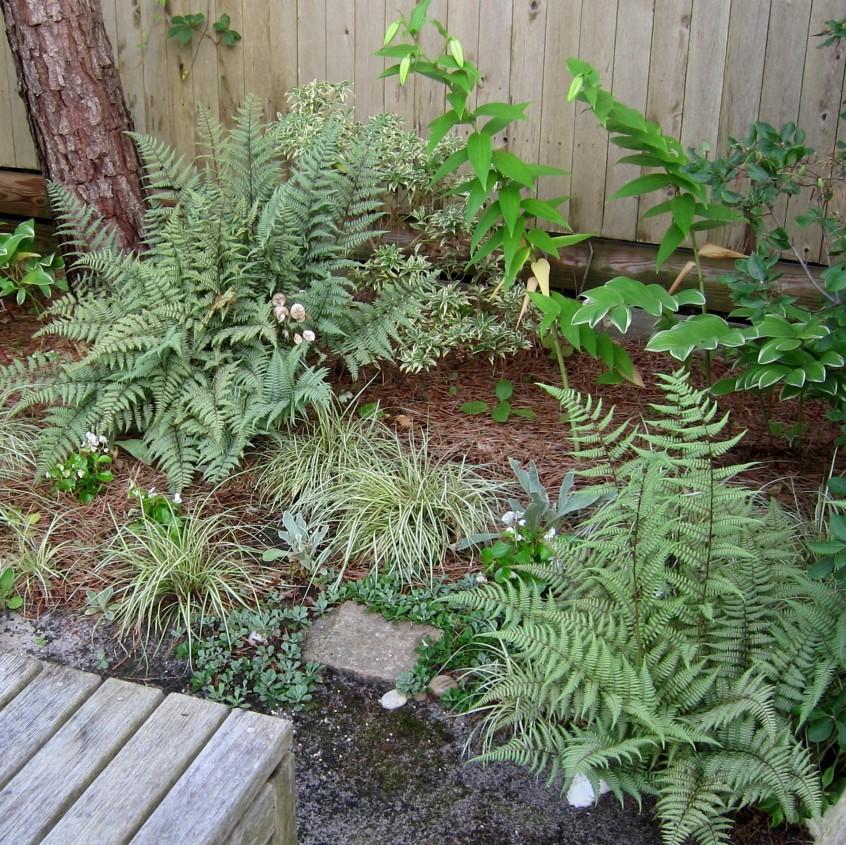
x=580 y=267
x=593 y=263
x=23 y=194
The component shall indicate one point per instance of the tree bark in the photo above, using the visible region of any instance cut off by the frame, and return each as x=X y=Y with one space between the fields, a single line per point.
x=75 y=106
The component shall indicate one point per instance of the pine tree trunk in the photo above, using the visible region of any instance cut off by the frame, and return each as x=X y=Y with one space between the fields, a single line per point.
x=75 y=105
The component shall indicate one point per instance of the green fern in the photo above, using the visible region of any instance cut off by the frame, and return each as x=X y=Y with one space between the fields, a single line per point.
x=186 y=345
x=666 y=649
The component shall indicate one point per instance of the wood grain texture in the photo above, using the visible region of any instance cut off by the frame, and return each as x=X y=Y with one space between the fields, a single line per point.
x=528 y=46
x=665 y=99
x=221 y=783
x=590 y=151
x=258 y=824
x=141 y=774
x=369 y=31
x=285 y=801
x=34 y=715
x=16 y=671
x=631 y=85
x=33 y=801
x=23 y=194
x=818 y=113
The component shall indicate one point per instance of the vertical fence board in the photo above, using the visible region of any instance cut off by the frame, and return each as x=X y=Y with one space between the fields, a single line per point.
x=590 y=146
x=495 y=29
x=257 y=50
x=822 y=91
x=528 y=43
x=463 y=22
x=399 y=98
x=7 y=93
x=180 y=86
x=127 y=45
x=230 y=60
x=703 y=95
x=558 y=117
x=369 y=34
x=311 y=40
x=341 y=41
x=784 y=63
x=631 y=84
x=154 y=68
x=429 y=95
x=284 y=53
x=665 y=97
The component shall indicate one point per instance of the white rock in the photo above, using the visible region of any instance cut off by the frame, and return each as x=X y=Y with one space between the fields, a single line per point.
x=581 y=794
x=393 y=700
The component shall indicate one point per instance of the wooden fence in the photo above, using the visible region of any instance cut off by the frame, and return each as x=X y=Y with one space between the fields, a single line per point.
x=705 y=69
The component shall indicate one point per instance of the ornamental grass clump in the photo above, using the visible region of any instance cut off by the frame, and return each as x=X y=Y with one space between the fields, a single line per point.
x=675 y=641
x=390 y=502
x=18 y=435
x=32 y=553
x=165 y=578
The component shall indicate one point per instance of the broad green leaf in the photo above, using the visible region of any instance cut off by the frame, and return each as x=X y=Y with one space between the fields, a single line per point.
x=512 y=167
x=479 y=156
x=474 y=408
x=672 y=238
x=644 y=185
x=501 y=412
x=683 y=208
x=509 y=205
x=504 y=389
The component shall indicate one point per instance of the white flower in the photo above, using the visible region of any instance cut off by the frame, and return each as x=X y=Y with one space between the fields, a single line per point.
x=177 y=499
x=151 y=491
x=481 y=579
x=91 y=440
x=550 y=534
x=308 y=336
x=278 y=299
x=103 y=441
x=298 y=312
x=80 y=473
x=280 y=312
x=298 y=339
x=521 y=522
x=508 y=518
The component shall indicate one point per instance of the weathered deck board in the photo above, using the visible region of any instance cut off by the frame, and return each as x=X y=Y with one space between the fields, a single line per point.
x=141 y=774
x=34 y=715
x=16 y=671
x=87 y=762
x=256 y=826
x=33 y=801
x=205 y=801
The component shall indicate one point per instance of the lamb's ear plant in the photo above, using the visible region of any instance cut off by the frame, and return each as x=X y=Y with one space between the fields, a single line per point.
x=676 y=640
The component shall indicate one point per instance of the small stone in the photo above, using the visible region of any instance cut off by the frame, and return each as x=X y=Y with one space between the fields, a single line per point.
x=393 y=700
x=441 y=684
x=581 y=794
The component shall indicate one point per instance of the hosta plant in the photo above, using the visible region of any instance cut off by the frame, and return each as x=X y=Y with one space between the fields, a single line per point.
x=23 y=270
x=666 y=646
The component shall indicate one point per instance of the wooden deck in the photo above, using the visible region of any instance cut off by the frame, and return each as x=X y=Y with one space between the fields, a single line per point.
x=92 y=762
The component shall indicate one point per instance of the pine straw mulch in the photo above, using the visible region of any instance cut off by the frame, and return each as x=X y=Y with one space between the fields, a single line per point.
x=430 y=402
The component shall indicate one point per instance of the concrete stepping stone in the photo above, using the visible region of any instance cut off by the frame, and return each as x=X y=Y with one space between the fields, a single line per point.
x=353 y=639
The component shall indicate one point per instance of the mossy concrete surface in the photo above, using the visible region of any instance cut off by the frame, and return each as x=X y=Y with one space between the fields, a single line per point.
x=368 y=776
